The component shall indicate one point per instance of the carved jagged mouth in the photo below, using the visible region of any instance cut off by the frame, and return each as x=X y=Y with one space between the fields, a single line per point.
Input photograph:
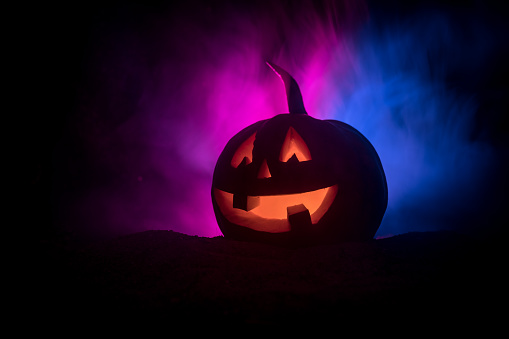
x=276 y=213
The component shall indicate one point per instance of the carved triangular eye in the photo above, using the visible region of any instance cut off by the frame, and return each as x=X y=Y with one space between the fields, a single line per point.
x=264 y=171
x=294 y=144
x=245 y=150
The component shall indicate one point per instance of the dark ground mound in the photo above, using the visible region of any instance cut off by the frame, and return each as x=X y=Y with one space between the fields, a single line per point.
x=164 y=275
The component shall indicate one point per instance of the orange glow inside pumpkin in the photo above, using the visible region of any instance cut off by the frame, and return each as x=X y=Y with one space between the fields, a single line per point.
x=245 y=150
x=294 y=144
x=264 y=172
x=274 y=206
x=271 y=211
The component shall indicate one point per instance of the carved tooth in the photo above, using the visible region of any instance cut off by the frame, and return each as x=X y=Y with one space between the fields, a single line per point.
x=245 y=202
x=298 y=217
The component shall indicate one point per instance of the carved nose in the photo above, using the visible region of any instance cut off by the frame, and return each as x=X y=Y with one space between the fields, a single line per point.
x=264 y=172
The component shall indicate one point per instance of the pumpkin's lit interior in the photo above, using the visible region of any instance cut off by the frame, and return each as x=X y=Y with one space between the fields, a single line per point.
x=245 y=150
x=294 y=145
x=271 y=213
x=264 y=171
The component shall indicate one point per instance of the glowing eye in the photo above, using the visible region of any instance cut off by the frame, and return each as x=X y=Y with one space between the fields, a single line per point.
x=294 y=144
x=245 y=150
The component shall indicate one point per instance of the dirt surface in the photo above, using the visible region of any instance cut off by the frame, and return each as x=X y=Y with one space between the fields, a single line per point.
x=164 y=275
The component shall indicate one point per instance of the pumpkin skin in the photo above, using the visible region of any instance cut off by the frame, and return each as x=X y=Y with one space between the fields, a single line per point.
x=297 y=180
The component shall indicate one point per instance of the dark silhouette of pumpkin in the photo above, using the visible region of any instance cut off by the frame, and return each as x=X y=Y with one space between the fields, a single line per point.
x=297 y=180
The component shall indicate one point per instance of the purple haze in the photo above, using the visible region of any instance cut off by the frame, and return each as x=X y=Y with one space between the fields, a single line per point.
x=165 y=89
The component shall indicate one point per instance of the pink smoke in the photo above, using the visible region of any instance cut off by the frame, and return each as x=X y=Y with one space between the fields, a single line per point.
x=166 y=87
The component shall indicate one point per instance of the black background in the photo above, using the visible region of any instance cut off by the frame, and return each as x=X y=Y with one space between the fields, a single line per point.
x=52 y=45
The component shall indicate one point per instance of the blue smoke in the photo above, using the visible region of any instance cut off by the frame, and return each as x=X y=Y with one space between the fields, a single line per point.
x=161 y=88
x=420 y=122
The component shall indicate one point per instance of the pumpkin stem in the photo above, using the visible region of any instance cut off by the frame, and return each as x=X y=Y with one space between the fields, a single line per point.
x=293 y=95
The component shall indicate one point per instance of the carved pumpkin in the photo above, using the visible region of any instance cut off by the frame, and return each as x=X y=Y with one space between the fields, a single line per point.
x=294 y=179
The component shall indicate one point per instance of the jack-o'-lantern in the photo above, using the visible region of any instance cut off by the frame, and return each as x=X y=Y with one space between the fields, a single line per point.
x=294 y=179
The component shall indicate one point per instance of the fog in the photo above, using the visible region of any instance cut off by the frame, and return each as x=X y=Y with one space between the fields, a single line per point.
x=163 y=89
